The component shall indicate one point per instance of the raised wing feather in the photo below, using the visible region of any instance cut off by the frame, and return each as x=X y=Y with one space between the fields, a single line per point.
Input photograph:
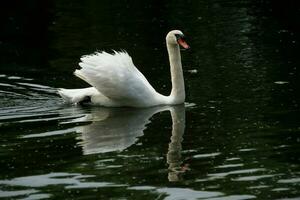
x=115 y=76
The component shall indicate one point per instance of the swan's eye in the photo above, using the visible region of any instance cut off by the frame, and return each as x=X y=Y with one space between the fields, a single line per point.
x=179 y=36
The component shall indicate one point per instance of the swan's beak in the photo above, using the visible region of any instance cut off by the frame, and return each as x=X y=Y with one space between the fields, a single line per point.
x=182 y=43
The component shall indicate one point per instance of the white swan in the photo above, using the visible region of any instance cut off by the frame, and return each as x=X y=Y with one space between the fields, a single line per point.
x=117 y=82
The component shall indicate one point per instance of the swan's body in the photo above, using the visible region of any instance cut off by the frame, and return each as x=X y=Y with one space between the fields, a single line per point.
x=117 y=82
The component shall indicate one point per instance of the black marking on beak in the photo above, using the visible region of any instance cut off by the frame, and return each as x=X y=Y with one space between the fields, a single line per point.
x=181 y=41
x=179 y=36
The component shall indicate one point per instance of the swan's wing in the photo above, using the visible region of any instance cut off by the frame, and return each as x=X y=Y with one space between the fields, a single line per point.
x=115 y=76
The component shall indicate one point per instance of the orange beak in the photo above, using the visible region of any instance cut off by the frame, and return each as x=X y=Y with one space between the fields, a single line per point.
x=182 y=43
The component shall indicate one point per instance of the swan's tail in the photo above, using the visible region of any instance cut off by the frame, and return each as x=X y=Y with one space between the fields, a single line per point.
x=75 y=96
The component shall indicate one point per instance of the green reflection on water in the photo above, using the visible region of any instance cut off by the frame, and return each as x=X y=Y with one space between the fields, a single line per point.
x=241 y=139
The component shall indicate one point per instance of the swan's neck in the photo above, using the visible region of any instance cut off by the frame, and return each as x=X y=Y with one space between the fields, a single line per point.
x=177 y=95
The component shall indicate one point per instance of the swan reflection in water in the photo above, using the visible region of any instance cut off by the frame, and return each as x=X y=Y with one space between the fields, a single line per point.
x=116 y=129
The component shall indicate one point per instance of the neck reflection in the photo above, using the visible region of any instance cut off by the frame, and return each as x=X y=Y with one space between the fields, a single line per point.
x=174 y=158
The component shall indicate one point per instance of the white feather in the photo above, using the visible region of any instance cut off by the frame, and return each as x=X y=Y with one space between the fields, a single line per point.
x=116 y=77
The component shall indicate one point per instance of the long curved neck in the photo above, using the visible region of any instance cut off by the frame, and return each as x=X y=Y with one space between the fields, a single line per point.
x=178 y=92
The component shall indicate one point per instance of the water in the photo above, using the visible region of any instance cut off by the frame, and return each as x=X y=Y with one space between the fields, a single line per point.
x=237 y=137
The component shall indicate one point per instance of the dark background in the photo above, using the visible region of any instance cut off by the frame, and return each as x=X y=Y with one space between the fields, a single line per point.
x=245 y=95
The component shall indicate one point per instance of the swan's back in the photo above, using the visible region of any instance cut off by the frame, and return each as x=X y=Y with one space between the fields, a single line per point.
x=116 y=77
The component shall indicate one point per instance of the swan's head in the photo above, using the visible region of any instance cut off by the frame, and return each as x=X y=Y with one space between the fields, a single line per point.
x=176 y=37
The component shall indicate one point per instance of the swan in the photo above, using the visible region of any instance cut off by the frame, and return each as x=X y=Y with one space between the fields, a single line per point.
x=118 y=83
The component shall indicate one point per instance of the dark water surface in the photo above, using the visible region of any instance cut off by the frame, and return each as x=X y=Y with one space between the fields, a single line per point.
x=237 y=138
